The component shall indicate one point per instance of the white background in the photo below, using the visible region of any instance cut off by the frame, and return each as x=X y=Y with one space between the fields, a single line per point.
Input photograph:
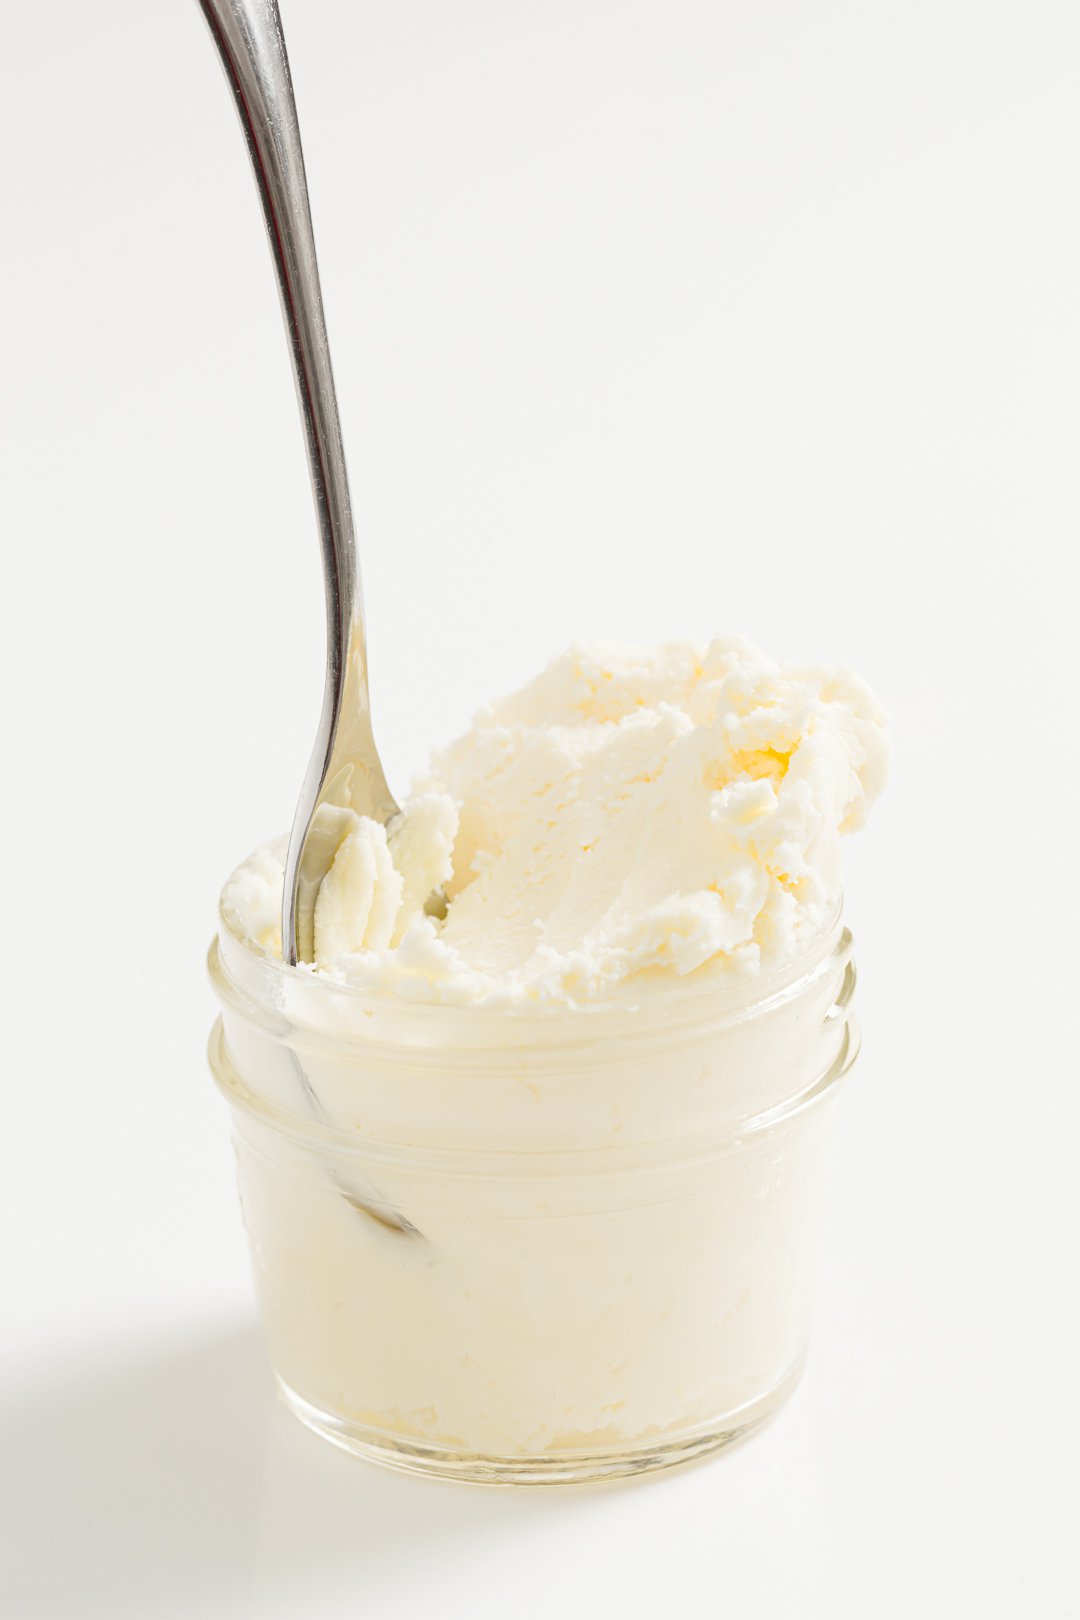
x=649 y=319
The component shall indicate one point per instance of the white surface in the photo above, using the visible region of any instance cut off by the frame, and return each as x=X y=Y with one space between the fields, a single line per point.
x=757 y=318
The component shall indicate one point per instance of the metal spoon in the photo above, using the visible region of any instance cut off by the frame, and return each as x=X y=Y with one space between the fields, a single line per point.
x=344 y=772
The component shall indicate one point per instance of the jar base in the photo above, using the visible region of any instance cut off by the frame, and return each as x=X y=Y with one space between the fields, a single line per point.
x=581 y=1467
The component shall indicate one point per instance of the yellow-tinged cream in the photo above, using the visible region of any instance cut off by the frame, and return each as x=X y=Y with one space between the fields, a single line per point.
x=632 y=813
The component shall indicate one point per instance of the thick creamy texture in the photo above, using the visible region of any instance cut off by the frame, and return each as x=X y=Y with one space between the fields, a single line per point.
x=632 y=814
x=572 y=1238
x=535 y=1185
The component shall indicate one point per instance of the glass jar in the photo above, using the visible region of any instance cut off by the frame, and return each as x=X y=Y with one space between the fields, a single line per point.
x=524 y=1246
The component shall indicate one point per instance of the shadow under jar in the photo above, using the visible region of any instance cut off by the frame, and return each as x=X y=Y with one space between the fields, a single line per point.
x=516 y=1246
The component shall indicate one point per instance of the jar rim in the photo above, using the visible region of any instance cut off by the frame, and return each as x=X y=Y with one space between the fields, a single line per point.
x=677 y=1150
x=277 y=993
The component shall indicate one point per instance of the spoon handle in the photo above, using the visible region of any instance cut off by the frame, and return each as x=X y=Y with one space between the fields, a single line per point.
x=250 y=41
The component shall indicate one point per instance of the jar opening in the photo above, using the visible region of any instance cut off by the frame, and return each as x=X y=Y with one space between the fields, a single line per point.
x=279 y=994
